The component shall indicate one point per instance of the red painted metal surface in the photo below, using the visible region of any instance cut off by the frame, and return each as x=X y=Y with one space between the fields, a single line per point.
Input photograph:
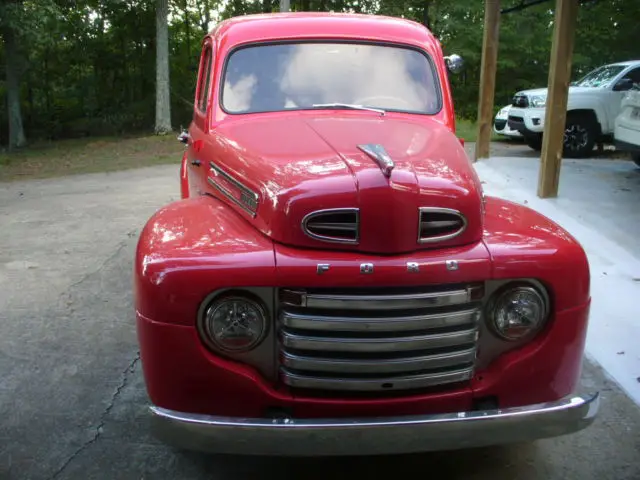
x=303 y=161
x=524 y=243
x=299 y=162
x=190 y=248
x=296 y=161
x=183 y=255
x=182 y=375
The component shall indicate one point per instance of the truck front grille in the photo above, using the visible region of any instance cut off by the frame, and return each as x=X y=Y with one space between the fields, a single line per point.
x=378 y=340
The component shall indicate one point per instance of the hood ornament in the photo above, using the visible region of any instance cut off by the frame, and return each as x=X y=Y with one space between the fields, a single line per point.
x=381 y=157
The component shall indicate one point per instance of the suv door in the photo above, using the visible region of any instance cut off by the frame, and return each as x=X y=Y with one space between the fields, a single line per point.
x=619 y=90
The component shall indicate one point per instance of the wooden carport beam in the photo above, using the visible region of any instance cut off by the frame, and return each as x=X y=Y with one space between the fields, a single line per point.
x=557 y=97
x=487 y=77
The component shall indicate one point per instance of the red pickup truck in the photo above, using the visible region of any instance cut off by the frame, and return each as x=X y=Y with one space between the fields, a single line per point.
x=333 y=280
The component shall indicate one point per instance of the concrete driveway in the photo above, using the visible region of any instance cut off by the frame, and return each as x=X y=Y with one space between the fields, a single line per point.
x=72 y=398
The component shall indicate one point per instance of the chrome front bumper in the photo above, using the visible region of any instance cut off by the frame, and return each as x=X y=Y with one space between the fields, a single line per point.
x=374 y=436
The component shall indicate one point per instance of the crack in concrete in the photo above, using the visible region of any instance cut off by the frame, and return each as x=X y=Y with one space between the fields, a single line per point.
x=103 y=417
x=121 y=245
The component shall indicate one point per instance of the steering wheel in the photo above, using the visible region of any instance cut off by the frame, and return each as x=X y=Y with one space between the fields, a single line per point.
x=373 y=101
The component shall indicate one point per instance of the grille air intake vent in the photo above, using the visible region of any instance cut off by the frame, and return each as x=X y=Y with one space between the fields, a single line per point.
x=363 y=340
x=439 y=224
x=339 y=225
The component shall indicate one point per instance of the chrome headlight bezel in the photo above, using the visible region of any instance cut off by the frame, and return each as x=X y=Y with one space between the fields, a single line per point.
x=496 y=302
x=206 y=327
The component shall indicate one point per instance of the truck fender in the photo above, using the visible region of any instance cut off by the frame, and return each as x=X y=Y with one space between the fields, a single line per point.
x=591 y=106
x=524 y=243
x=191 y=248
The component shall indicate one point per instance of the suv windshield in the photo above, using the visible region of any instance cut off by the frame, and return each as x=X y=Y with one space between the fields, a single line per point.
x=276 y=77
x=600 y=77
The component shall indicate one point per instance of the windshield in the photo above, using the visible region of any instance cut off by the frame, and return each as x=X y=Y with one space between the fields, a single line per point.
x=600 y=77
x=313 y=75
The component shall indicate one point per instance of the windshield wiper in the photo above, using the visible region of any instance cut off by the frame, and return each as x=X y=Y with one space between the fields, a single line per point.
x=349 y=106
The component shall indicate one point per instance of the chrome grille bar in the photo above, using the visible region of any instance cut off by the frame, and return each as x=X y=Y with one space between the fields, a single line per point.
x=388 y=383
x=385 y=302
x=375 y=340
x=402 y=364
x=372 y=324
x=373 y=344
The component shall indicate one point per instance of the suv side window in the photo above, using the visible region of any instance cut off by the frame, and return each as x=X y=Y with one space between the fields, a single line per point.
x=630 y=80
x=205 y=80
x=634 y=75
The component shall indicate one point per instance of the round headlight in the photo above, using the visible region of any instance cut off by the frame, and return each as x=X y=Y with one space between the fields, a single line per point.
x=518 y=312
x=234 y=324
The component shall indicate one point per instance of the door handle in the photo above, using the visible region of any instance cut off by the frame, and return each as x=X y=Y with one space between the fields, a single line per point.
x=197 y=163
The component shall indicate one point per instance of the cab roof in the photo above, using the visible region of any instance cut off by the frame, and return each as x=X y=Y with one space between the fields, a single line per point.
x=321 y=25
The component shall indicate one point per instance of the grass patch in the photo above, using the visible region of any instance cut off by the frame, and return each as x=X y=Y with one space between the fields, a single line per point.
x=89 y=155
x=469 y=131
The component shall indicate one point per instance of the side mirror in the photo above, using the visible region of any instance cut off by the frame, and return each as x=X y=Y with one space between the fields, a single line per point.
x=454 y=63
x=184 y=137
x=623 y=85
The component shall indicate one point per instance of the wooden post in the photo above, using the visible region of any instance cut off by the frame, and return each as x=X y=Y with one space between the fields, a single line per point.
x=556 y=111
x=487 y=77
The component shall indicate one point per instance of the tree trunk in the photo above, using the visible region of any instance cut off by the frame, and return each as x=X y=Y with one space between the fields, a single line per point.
x=425 y=14
x=187 y=28
x=266 y=6
x=12 y=55
x=205 y=16
x=163 y=92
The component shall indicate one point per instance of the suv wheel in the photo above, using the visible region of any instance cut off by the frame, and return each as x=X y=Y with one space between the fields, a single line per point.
x=534 y=141
x=579 y=136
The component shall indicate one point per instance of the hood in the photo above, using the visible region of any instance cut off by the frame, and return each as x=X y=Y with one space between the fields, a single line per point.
x=299 y=164
x=542 y=92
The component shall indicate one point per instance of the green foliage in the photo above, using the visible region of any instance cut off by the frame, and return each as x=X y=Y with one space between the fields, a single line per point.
x=88 y=65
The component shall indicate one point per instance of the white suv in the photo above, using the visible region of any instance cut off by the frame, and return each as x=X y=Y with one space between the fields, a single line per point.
x=593 y=105
x=627 y=130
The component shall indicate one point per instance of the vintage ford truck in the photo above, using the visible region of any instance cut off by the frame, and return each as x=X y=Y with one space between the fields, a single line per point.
x=333 y=280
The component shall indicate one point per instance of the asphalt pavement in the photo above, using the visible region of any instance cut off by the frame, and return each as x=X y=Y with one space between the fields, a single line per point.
x=72 y=397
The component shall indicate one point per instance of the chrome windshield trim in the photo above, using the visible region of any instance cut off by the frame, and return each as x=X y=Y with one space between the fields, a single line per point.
x=379 y=324
x=395 y=365
x=374 y=344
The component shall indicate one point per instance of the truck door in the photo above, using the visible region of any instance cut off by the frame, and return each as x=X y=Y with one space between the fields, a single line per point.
x=196 y=164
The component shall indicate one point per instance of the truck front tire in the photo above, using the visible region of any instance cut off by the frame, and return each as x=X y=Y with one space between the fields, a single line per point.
x=534 y=141
x=579 y=136
x=636 y=158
